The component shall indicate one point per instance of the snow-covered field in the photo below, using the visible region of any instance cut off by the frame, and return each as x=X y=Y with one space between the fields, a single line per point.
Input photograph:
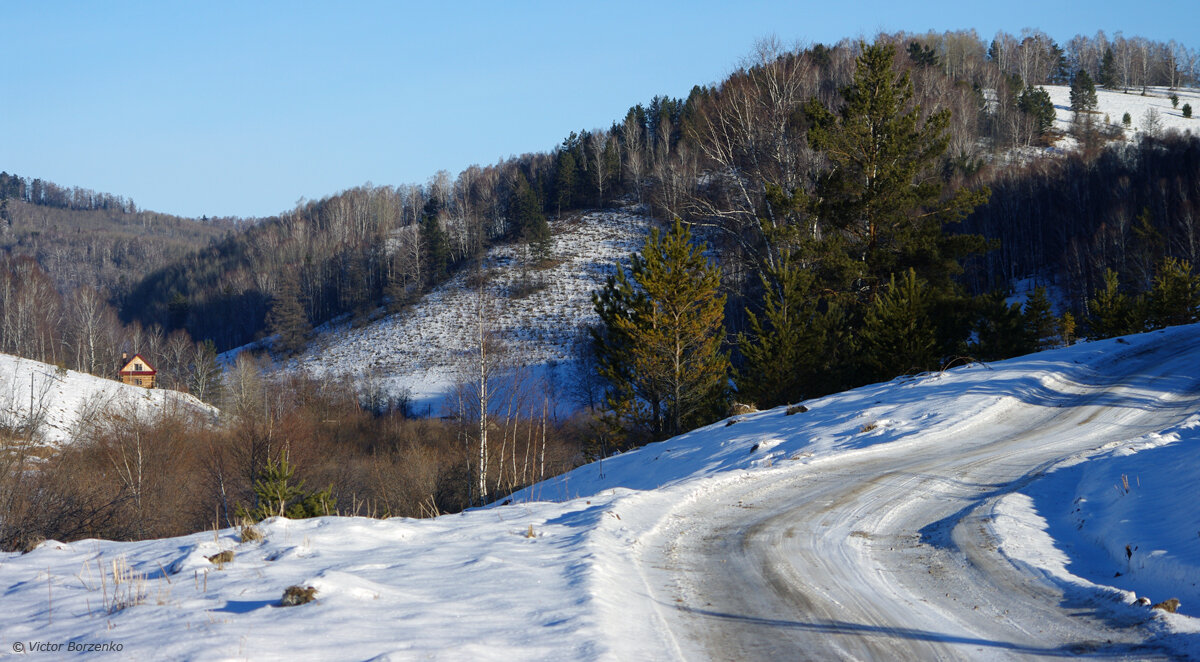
x=1114 y=104
x=64 y=400
x=426 y=349
x=591 y=565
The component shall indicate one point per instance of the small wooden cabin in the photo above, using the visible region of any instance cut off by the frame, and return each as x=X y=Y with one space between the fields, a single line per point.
x=137 y=371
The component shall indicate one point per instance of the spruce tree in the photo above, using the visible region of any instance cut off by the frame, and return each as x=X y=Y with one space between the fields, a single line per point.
x=898 y=336
x=660 y=345
x=434 y=245
x=287 y=318
x=531 y=221
x=1108 y=70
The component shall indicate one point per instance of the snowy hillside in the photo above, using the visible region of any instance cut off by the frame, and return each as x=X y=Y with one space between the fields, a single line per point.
x=1035 y=448
x=426 y=349
x=1114 y=105
x=61 y=401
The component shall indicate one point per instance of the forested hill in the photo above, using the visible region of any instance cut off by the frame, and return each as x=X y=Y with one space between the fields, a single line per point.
x=735 y=159
x=99 y=240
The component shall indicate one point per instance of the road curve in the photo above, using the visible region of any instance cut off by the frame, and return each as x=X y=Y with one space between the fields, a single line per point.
x=885 y=554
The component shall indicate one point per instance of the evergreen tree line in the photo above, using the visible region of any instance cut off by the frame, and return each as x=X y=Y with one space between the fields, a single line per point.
x=48 y=194
x=715 y=159
x=860 y=277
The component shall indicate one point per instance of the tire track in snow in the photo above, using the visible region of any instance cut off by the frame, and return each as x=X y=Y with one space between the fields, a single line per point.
x=885 y=553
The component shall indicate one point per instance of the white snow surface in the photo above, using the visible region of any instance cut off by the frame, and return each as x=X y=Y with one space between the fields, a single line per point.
x=1113 y=104
x=561 y=572
x=65 y=399
x=427 y=348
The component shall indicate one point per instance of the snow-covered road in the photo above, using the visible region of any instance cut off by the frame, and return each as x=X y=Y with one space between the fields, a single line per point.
x=890 y=551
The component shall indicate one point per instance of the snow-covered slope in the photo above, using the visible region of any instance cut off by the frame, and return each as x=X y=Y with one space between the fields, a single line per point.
x=426 y=348
x=567 y=578
x=61 y=401
x=1114 y=105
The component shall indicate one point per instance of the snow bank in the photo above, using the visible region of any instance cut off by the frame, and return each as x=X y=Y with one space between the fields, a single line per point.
x=64 y=399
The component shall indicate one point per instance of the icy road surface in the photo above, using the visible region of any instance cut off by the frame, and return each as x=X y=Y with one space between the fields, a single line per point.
x=890 y=551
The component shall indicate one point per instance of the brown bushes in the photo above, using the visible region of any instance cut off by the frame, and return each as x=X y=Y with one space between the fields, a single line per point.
x=134 y=476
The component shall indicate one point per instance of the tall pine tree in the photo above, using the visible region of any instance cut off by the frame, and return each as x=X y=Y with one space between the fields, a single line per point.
x=883 y=189
x=434 y=245
x=659 y=347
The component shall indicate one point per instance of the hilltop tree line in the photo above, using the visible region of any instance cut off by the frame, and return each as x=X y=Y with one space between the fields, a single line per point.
x=81 y=237
x=860 y=272
x=48 y=194
x=718 y=158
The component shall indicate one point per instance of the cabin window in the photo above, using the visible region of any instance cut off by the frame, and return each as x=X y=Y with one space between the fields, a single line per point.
x=137 y=366
x=137 y=381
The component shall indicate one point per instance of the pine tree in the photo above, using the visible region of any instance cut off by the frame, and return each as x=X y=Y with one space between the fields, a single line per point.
x=1083 y=93
x=879 y=190
x=1036 y=103
x=1187 y=111
x=1000 y=329
x=1111 y=313
x=898 y=335
x=779 y=348
x=276 y=496
x=1039 y=321
x=531 y=222
x=1066 y=328
x=1108 y=70
x=434 y=245
x=1175 y=298
x=287 y=318
x=659 y=347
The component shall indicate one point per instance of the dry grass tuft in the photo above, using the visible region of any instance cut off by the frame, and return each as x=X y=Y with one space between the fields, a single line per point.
x=250 y=533
x=298 y=595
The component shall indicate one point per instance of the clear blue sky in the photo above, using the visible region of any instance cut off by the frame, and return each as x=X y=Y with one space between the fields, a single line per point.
x=242 y=108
